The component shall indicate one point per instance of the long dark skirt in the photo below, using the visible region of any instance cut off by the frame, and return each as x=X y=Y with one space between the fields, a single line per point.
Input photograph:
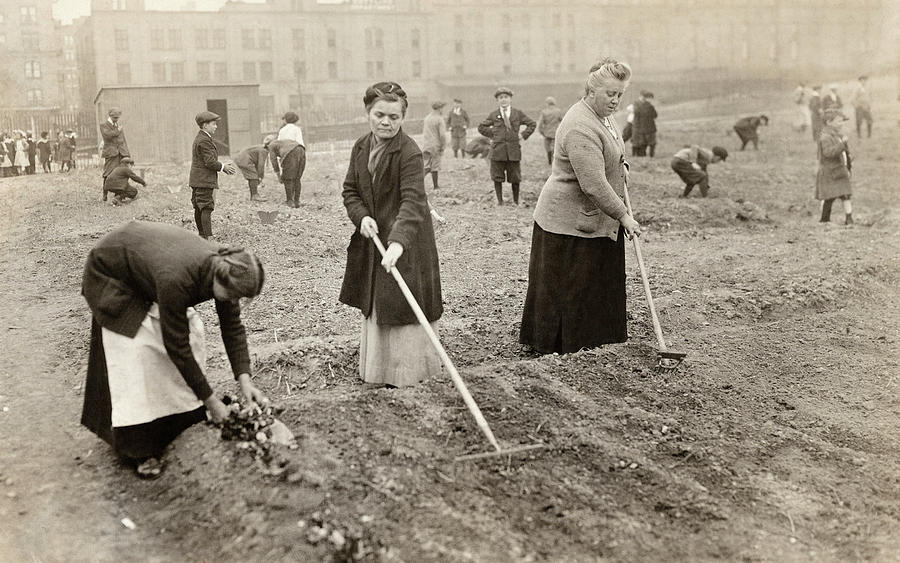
x=576 y=292
x=132 y=443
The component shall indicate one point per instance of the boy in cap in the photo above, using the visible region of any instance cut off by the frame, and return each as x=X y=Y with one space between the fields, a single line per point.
x=434 y=139
x=835 y=165
x=115 y=148
x=548 y=122
x=690 y=164
x=502 y=127
x=44 y=150
x=458 y=122
x=118 y=185
x=205 y=167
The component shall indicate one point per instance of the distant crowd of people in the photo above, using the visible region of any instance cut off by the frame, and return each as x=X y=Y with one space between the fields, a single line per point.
x=20 y=152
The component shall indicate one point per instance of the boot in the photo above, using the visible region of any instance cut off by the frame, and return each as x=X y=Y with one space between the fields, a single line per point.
x=498 y=190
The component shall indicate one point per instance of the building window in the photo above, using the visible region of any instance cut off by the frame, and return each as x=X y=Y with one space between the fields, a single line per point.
x=203 y=71
x=296 y=5
x=218 y=39
x=479 y=47
x=331 y=39
x=458 y=20
x=156 y=40
x=417 y=69
x=221 y=72
x=249 y=72
x=119 y=5
x=507 y=69
x=299 y=39
x=176 y=72
x=2 y=39
x=28 y=14
x=526 y=20
x=69 y=56
x=175 y=39
x=505 y=21
x=159 y=72
x=265 y=71
x=572 y=48
x=265 y=38
x=123 y=73
x=300 y=70
x=416 y=39
x=248 y=39
x=121 y=36
x=557 y=47
x=201 y=38
x=30 y=41
x=68 y=41
x=557 y=20
x=506 y=48
x=459 y=70
x=332 y=69
x=379 y=68
x=379 y=38
x=370 y=69
x=458 y=47
x=2 y=18
x=32 y=69
x=34 y=97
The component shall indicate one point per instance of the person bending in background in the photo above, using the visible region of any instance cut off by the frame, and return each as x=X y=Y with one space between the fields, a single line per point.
x=502 y=126
x=690 y=164
x=146 y=377
x=576 y=271
x=204 y=175
x=548 y=122
x=833 y=176
x=746 y=127
x=252 y=164
x=434 y=139
x=384 y=194
x=117 y=183
x=288 y=161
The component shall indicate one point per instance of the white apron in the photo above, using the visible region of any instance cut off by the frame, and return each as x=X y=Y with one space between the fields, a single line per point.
x=144 y=384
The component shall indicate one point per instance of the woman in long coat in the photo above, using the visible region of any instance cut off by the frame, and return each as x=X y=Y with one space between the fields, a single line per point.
x=576 y=273
x=63 y=152
x=384 y=194
x=146 y=379
x=833 y=176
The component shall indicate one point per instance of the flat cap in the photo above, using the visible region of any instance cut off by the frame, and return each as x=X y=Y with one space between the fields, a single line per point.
x=437 y=104
x=205 y=117
x=126 y=160
x=114 y=111
x=503 y=90
x=720 y=152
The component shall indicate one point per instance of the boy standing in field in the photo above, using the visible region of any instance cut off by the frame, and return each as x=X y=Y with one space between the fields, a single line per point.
x=434 y=139
x=44 y=149
x=205 y=167
x=502 y=127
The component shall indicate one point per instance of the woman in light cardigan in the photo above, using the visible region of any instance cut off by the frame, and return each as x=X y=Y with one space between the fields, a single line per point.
x=576 y=274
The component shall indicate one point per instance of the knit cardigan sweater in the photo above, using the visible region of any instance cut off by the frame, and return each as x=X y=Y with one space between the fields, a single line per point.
x=583 y=195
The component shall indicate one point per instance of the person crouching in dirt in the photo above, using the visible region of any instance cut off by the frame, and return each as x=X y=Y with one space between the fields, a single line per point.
x=690 y=164
x=384 y=194
x=146 y=379
x=117 y=182
x=480 y=146
x=289 y=161
x=252 y=164
x=833 y=176
x=746 y=127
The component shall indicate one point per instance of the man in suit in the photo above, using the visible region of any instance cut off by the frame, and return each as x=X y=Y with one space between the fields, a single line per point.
x=643 y=134
x=458 y=122
x=205 y=167
x=502 y=126
x=115 y=148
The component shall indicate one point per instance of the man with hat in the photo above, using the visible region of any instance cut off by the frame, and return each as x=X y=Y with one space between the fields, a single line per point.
x=205 y=167
x=643 y=128
x=458 y=122
x=434 y=140
x=548 y=122
x=690 y=164
x=502 y=127
x=117 y=182
x=114 y=145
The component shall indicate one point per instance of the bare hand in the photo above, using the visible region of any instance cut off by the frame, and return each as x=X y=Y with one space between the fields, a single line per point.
x=695 y=166
x=632 y=227
x=229 y=169
x=250 y=392
x=394 y=251
x=368 y=227
x=216 y=409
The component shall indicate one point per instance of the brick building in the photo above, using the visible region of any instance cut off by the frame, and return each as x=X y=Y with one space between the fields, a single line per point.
x=30 y=45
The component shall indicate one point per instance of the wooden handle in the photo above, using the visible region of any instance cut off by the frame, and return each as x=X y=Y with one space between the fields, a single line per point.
x=657 y=329
x=454 y=375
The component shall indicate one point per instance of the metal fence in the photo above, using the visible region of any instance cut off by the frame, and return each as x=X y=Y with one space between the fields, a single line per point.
x=52 y=120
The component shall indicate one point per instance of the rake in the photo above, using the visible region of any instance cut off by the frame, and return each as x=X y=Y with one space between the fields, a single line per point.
x=454 y=375
x=666 y=360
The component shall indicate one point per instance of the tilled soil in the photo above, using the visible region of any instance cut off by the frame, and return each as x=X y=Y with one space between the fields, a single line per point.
x=776 y=440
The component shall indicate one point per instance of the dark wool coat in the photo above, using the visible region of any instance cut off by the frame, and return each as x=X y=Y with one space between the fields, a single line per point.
x=141 y=263
x=114 y=143
x=505 y=142
x=205 y=165
x=395 y=198
x=833 y=177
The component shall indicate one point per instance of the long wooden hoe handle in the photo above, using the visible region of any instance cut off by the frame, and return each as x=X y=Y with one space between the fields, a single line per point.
x=657 y=329
x=454 y=375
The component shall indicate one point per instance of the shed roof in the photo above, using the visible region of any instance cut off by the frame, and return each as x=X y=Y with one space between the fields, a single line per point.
x=167 y=86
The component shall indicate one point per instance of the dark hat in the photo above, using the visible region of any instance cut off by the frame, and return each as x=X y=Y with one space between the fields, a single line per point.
x=503 y=90
x=457 y=100
x=126 y=160
x=205 y=117
x=831 y=114
x=437 y=104
x=720 y=152
x=382 y=89
x=291 y=117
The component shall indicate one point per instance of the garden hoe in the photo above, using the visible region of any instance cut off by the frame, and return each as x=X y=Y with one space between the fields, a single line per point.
x=666 y=360
x=457 y=380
